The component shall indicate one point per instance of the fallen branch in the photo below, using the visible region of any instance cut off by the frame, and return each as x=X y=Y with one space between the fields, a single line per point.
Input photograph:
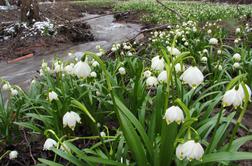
x=30 y=151
x=160 y=27
x=170 y=9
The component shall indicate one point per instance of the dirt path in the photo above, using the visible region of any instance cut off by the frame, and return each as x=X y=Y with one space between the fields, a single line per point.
x=106 y=33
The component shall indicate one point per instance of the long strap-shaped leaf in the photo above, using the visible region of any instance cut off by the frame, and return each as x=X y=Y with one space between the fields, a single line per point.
x=91 y=159
x=125 y=112
x=225 y=156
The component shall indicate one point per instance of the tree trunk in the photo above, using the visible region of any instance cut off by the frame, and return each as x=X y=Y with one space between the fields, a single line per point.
x=29 y=11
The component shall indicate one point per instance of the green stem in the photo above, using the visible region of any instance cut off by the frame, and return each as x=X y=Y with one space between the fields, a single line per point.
x=215 y=129
x=238 y=122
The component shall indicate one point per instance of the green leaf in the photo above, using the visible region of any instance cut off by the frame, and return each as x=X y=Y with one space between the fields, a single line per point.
x=123 y=109
x=133 y=140
x=48 y=162
x=225 y=156
x=168 y=137
x=29 y=125
x=82 y=107
x=68 y=157
x=90 y=159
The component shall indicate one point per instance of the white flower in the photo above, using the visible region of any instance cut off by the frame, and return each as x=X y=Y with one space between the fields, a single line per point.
x=13 y=155
x=179 y=68
x=236 y=41
x=204 y=59
x=242 y=93
x=162 y=77
x=219 y=67
x=192 y=76
x=186 y=43
x=70 y=119
x=157 y=63
x=151 y=81
x=237 y=57
x=147 y=73
x=190 y=150
x=6 y=87
x=219 y=52
x=82 y=69
x=236 y=65
x=173 y=51
x=232 y=97
x=14 y=92
x=238 y=30
x=205 y=51
x=122 y=70
x=213 y=41
x=99 y=54
x=69 y=69
x=95 y=64
x=52 y=96
x=49 y=143
x=58 y=67
x=93 y=74
x=174 y=114
x=209 y=31
x=102 y=134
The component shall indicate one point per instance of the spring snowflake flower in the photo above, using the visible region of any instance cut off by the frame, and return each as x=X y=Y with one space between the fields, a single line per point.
x=6 y=87
x=209 y=31
x=232 y=97
x=93 y=74
x=14 y=92
x=242 y=93
x=70 y=119
x=69 y=69
x=151 y=81
x=147 y=73
x=95 y=64
x=192 y=76
x=237 y=57
x=179 y=68
x=238 y=30
x=82 y=69
x=189 y=150
x=13 y=155
x=236 y=65
x=173 y=51
x=52 y=96
x=122 y=70
x=174 y=114
x=205 y=51
x=157 y=63
x=213 y=41
x=102 y=134
x=49 y=144
x=219 y=52
x=204 y=59
x=162 y=77
x=58 y=67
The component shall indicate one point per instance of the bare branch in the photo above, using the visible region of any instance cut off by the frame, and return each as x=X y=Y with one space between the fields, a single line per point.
x=170 y=9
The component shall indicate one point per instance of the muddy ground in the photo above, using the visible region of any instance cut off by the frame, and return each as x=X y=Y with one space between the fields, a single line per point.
x=61 y=15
